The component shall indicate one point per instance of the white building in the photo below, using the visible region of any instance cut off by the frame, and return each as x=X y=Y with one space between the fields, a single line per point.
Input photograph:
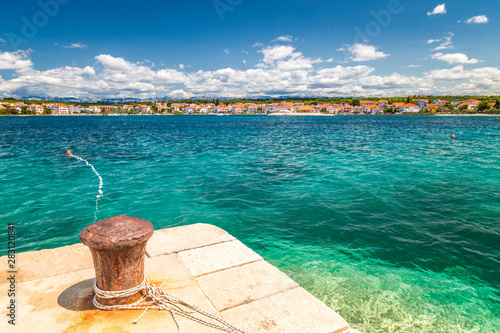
x=409 y=108
x=90 y=109
x=333 y=109
x=60 y=109
x=35 y=108
x=74 y=109
x=422 y=102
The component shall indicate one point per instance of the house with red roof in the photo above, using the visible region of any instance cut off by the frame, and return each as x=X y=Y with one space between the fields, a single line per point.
x=37 y=108
x=307 y=109
x=422 y=102
x=409 y=108
x=369 y=109
x=223 y=109
x=284 y=108
x=383 y=103
x=470 y=104
x=60 y=109
x=250 y=107
x=432 y=108
x=334 y=109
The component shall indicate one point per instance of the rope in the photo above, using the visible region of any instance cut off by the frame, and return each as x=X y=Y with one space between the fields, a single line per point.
x=100 y=184
x=119 y=293
x=156 y=298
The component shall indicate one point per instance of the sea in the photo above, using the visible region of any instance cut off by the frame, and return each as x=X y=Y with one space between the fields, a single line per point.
x=386 y=219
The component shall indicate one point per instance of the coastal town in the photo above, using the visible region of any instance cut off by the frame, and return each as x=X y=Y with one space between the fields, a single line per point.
x=348 y=107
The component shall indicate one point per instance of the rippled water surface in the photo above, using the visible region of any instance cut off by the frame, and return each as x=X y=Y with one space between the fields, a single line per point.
x=385 y=219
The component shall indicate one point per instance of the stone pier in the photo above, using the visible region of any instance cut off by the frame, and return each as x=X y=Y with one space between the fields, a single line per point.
x=205 y=266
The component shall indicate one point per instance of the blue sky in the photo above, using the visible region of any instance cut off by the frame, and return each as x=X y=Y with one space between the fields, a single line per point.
x=236 y=48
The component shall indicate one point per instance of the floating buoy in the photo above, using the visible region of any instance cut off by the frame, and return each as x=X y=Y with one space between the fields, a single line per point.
x=98 y=176
x=496 y=118
x=453 y=136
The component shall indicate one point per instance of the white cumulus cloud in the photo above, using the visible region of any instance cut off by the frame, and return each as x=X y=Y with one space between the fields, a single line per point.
x=15 y=60
x=440 y=9
x=480 y=19
x=286 y=38
x=180 y=94
x=454 y=58
x=445 y=42
x=226 y=51
x=363 y=52
x=277 y=52
x=485 y=80
x=282 y=70
x=76 y=46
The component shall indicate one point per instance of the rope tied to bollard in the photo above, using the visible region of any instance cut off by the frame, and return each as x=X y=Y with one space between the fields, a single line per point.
x=156 y=298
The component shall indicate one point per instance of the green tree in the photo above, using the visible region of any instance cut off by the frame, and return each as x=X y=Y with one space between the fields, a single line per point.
x=449 y=106
x=484 y=105
x=408 y=99
x=497 y=105
x=47 y=111
x=354 y=102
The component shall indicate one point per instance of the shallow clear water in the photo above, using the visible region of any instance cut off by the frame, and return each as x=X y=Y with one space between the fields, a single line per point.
x=385 y=219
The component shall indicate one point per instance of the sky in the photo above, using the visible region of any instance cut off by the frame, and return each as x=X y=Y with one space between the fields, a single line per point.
x=242 y=48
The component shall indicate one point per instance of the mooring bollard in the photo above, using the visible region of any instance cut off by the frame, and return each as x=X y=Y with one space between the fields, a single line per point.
x=118 y=245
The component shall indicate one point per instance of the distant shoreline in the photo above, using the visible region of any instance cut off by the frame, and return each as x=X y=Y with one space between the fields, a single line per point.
x=468 y=115
x=272 y=114
x=410 y=115
x=302 y=114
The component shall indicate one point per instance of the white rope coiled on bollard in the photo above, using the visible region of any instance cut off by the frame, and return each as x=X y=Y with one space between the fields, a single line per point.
x=155 y=298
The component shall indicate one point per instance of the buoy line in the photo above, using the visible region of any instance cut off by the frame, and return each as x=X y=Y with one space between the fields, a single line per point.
x=98 y=196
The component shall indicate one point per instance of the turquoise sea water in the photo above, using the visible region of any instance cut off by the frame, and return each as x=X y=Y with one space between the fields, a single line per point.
x=385 y=219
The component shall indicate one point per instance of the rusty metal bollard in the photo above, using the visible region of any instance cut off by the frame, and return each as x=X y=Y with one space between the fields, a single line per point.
x=118 y=245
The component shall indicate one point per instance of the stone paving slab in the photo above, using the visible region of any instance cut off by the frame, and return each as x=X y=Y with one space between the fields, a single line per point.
x=294 y=311
x=243 y=284
x=215 y=271
x=34 y=265
x=217 y=257
x=172 y=240
x=171 y=267
x=63 y=303
x=153 y=321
